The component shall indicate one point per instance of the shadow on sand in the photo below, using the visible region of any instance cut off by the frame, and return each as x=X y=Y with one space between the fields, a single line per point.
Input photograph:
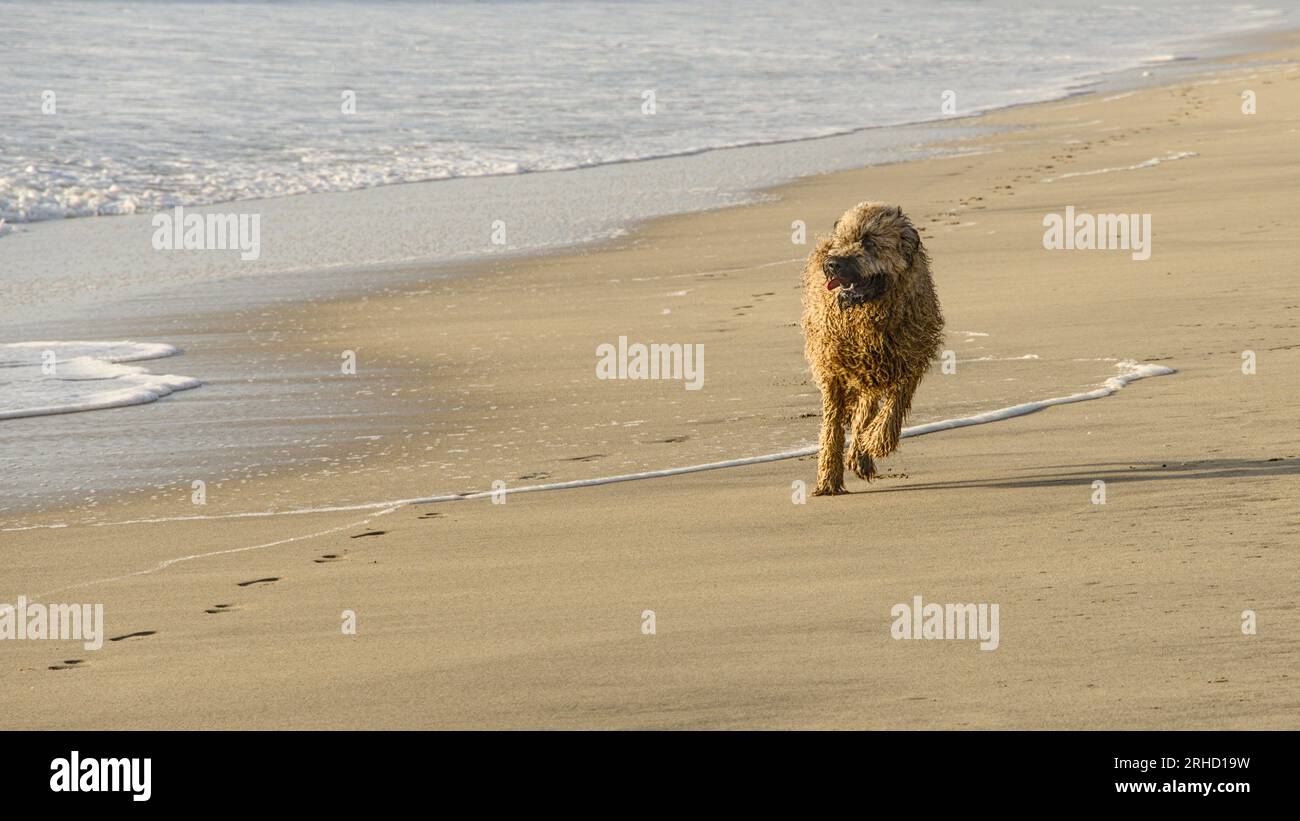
x=1063 y=475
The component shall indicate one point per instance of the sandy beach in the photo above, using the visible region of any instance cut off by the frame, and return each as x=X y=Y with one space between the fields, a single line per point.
x=532 y=610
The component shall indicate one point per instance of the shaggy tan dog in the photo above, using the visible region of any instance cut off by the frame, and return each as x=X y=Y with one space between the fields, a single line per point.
x=872 y=323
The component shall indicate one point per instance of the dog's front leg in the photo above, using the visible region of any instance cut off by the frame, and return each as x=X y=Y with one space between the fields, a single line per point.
x=859 y=455
x=830 y=459
x=887 y=425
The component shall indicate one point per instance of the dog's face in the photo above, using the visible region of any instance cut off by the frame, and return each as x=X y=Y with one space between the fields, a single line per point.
x=871 y=250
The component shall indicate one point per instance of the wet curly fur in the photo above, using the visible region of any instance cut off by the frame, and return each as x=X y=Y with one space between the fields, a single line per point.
x=870 y=335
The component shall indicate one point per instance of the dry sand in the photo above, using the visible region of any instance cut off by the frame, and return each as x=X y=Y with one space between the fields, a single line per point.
x=770 y=613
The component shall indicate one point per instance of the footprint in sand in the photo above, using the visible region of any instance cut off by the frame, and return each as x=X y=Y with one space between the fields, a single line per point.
x=267 y=580
x=330 y=557
x=370 y=533
x=67 y=664
x=672 y=440
x=221 y=608
x=433 y=514
x=541 y=474
x=139 y=634
x=591 y=457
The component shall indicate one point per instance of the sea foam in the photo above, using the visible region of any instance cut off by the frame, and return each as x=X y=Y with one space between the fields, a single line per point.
x=44 y=378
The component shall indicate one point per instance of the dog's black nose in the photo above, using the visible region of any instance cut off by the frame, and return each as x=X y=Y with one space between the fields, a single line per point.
x=836 y=265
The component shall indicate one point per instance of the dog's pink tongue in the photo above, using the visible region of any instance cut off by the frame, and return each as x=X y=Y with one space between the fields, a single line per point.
x=833 y=283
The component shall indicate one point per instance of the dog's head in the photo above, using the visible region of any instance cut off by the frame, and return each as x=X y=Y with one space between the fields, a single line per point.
x=871 y=250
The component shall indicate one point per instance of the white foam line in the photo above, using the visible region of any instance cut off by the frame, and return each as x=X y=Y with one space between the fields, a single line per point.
x=163 y=565
x=1115 y=383
x=134 y=351
x=1151 y=163
x=1024 y=358
x=1132 y=371
x=959 y=155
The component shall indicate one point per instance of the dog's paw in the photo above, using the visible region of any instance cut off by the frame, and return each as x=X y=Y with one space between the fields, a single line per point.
x=863 y=466
x=829 y=490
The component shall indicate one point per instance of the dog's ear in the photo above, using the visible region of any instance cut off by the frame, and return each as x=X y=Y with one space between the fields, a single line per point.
x=910 y=242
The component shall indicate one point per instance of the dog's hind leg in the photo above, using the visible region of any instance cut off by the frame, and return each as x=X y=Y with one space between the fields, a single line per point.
x=859 y=455
x=830 y=457
x=887 y=426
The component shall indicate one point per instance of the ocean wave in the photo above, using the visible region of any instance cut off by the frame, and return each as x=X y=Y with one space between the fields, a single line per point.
x=54 y=377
